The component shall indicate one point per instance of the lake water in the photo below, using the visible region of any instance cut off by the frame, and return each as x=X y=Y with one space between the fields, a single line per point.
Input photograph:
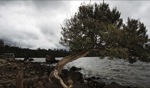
x=136 y=74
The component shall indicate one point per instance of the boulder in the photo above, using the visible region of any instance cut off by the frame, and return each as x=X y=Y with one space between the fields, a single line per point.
x=76 y=76
x=91 y=82
x=3 y=61
x=73 y=68
x=50 y=59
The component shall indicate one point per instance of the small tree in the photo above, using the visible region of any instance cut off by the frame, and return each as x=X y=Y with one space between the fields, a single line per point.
x=97 y=28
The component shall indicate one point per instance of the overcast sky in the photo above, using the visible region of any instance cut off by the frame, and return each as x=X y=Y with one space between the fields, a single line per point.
x=37 y=23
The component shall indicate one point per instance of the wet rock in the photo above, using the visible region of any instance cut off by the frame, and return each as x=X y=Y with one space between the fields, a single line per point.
x=35 y=85
x=8 y=86
x=50 y=59
x=94 y=84
x=73 y=68
x=40 y=84
x=93 y=78
x=72 y=74
x=1 y=86
x=113 y=85
x=101 y=84
x=80 y=85
x=30 y=83
x=47 y=85
x=76 y=76
x=64 y=73
x=51 y=85
x=3 y=61
x=31 y=59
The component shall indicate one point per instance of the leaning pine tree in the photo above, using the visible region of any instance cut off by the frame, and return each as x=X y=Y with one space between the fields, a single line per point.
x=97 y=28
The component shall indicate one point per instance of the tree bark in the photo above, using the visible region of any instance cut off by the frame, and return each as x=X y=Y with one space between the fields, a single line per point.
x=57 y=70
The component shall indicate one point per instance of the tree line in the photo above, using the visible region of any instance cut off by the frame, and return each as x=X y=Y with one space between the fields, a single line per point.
x=26 y=52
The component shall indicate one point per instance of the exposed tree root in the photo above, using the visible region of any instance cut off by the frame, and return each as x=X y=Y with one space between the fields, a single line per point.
x=55 y=74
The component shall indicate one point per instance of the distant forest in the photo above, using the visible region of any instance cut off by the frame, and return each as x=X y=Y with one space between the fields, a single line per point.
x=37 y=53
x=26 y=52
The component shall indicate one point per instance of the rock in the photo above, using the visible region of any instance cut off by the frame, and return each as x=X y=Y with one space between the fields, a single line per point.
x=1 y=86
x=95 y=84
x=93 y=78
x=100 y=84
x=72 y=74
x=30 y=59
x=113 y=85
x=40 y=84
x=64 y=73
x=47 y=85
x=50 y=59
x=32 y=73
x=80 y=85
x=76 y=76
x=3 y=61
x=27 y=59
x=73 y=68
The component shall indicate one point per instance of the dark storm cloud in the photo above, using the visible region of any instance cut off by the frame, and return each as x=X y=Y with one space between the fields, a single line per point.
x=32 y=23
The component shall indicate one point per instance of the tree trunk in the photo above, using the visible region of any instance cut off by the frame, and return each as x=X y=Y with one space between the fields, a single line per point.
x=57 y=70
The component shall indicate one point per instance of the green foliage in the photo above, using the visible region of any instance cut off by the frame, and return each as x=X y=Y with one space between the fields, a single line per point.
x=98 y=27
x=86 y=30
x=135 y=38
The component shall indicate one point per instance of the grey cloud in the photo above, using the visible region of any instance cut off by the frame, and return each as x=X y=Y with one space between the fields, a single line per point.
x=48 y=30
x=10 y=2
x=4 y=2
x=42 y=4
x=36 y=23
x=127 y=8
x=51 y=34
x=18 y=43
x=20 y=39
x=39 y=4
x=134 y=9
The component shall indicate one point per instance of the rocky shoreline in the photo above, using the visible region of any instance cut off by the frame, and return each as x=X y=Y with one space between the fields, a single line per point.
x=36 y=75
